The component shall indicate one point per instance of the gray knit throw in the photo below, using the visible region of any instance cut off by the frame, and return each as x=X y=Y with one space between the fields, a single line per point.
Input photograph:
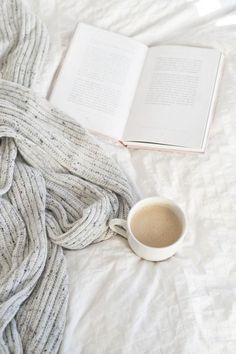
x=58 y=189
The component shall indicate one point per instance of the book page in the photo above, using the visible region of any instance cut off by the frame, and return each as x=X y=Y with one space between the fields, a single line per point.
x=98 y=79
x=174 y=96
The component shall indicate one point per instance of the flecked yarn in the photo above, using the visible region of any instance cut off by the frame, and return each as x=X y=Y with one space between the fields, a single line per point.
x=58 y=189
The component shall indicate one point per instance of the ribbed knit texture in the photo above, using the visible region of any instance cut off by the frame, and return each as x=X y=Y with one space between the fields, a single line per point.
x=57 y=189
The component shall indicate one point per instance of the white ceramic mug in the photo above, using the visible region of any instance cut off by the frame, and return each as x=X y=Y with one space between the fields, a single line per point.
x=123 y=228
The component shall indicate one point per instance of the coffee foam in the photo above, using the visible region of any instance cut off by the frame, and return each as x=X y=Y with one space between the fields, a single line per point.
x=156 y=225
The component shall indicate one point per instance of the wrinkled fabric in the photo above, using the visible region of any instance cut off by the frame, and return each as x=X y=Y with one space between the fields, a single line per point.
x=58 y=189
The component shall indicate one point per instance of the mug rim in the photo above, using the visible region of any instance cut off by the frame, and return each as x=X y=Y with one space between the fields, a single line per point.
x=159 y=200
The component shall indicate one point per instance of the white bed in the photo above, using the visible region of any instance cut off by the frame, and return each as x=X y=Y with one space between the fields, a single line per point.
x=120 y=304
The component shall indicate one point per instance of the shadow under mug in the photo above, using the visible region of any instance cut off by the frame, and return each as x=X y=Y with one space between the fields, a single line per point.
x=123 y=228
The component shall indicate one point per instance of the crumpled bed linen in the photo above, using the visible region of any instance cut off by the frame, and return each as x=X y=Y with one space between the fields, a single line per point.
x=120 y=304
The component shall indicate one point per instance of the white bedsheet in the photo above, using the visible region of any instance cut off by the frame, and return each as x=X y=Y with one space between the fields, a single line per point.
x=120 y=304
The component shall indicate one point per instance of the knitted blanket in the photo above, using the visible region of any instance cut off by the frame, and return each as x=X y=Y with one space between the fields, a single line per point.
x=58 y=189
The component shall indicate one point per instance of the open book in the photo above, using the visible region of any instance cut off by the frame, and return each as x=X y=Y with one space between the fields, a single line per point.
x=158 y=97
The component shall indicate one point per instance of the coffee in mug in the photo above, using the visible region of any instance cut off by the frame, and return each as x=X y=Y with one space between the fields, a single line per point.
x=156 y=225
x=155 y=228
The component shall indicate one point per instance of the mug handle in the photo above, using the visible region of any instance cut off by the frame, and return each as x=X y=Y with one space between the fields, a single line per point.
x=119 y=226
